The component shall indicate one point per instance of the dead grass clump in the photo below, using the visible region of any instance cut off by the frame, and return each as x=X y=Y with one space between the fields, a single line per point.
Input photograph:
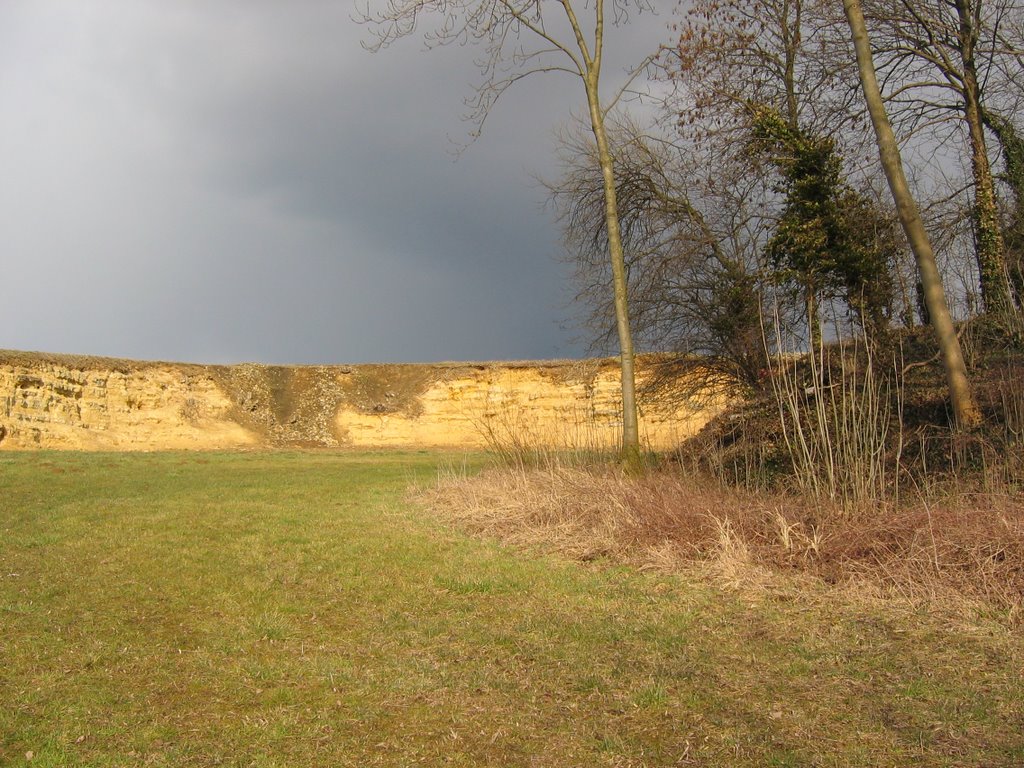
x=949 y=557
x=577 y=513
x=653 y=520
x=966 y=549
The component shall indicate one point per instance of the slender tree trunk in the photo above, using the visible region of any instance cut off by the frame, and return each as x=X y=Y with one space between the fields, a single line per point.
x=965 y=410
x=813 y=316
x=791 y=46
x=989 y=246
x=590 y=71
x=630 y=422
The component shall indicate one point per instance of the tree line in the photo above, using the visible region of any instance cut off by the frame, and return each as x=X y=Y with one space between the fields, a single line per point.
x=758 y=189
x=753 y=198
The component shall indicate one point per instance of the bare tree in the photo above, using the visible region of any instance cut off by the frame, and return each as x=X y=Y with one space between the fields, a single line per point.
x=942 y=60
x=524 y=37
x=731 y=54
x=965 y=409
x=693 y=237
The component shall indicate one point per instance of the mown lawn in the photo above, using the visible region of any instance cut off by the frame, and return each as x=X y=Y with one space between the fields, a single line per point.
x=293 y=609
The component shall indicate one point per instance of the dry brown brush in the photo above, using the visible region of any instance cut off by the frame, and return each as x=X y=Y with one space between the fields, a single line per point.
x=965 y=555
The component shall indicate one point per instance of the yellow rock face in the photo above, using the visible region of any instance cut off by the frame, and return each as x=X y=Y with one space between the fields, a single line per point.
x=519 y=407
x=51 y=401
x=56 y=406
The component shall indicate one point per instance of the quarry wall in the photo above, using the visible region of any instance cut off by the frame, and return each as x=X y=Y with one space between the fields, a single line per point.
x=90 y=403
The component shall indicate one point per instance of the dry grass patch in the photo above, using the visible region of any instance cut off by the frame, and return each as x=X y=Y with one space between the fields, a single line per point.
x=964 y=554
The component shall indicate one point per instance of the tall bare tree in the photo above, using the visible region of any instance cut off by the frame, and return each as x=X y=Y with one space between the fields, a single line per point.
x=940 y=59
x=524 y=37
x=693 y=236
x=965 y=409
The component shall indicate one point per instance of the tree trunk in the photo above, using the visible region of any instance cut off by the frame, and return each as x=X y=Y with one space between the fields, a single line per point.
x=630 y=423
x=1013 y=159
x=791 y=46
x=989 y=246
x=813 y=316
x=965 y=410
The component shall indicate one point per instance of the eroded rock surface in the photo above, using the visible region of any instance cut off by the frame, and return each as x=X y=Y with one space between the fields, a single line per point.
x=71 y=402
x=50 y=403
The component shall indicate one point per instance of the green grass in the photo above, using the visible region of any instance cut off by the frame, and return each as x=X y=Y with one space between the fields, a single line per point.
x=291 y=609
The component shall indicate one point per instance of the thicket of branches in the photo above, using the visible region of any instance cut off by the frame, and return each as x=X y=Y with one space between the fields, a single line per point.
x=754 y=194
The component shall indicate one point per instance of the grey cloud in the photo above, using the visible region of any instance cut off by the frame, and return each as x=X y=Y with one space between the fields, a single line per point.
x=240 y=180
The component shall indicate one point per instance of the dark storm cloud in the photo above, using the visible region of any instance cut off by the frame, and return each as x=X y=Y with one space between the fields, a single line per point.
x=240 y=180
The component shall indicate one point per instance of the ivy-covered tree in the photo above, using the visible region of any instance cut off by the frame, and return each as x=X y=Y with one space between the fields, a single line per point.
x=830 y=240
x=1012 y=146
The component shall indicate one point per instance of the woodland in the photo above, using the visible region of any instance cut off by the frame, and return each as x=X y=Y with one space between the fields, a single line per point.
x=817 y=207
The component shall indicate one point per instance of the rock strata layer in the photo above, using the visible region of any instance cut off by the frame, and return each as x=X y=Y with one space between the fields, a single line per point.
x=89 y=403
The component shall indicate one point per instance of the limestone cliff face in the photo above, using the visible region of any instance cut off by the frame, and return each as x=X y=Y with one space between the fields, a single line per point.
x=574 y=406
x=57 y=401
x=48 y=404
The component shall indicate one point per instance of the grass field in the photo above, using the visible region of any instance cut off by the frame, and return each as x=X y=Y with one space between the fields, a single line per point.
x=294 y=609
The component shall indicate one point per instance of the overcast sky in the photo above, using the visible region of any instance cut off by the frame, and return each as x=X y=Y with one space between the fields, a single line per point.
x=238 y=180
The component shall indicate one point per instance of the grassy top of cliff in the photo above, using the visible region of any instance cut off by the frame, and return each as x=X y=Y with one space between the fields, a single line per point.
x=91 y=362
x=13 y=357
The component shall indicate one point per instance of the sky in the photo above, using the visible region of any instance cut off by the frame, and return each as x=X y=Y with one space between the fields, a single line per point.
x=219 y=181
